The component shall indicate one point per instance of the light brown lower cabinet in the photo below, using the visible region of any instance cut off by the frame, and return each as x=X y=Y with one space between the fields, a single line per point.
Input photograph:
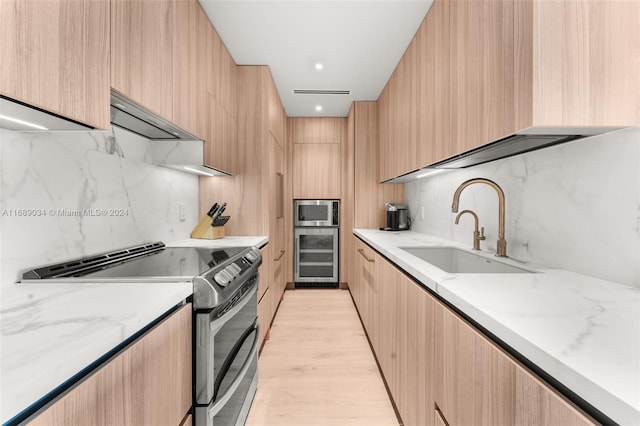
x=148 y=383
x=438 y=420
x=187 y=421
x=439 y=368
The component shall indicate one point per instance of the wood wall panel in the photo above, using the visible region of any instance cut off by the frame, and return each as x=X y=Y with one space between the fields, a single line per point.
x=318 y=130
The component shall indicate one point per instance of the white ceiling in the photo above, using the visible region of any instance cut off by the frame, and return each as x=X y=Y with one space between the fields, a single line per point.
x=359 y=42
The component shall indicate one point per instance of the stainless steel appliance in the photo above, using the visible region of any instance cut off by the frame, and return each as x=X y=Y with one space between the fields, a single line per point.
x=316 y=243
x=316 y=213
x=225 y=304
x=397 y=217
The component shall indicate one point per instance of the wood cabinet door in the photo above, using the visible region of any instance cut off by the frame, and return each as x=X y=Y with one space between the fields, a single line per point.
x=142 y=52
x=276 y=216
x=577 y=63
x=390 y=299
x=405 y=114
x=185 y=75
x=99 y=401
x=158 y=372
x=433 y=81
x=316 y=170
x=478 y=383
x=55 y=56
x=416 y=389
x=537 y=404
x=149 y=383
x=482 y=72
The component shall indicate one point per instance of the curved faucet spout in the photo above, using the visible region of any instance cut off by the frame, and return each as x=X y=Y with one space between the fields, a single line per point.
x=502 y=243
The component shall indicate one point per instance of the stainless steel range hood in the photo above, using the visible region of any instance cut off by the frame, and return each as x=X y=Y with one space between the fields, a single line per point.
x=507 y=147
x=528 y=140
x=134 y=118
x=171 y=146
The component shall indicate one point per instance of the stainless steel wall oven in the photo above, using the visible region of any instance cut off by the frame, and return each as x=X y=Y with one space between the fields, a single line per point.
x=316 y=243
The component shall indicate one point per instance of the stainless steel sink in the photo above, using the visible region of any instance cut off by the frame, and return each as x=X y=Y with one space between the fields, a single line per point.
x=456 y=261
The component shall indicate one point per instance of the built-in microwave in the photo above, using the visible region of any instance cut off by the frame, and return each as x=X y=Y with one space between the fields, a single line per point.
x=317 y=213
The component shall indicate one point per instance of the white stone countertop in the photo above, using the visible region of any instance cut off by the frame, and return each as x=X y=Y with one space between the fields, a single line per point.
x=583 y=331
x=239 y=241
x=51 y=332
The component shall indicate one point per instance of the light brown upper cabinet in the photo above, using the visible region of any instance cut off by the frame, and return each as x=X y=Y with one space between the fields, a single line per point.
x=316 y=144
x=577 y=63
x=55 y=55
x=142 y=52
x=487 y=69
x=316 y=170
x=186 y=49
x=276 y=115
x=220 y=147
x=481 y=60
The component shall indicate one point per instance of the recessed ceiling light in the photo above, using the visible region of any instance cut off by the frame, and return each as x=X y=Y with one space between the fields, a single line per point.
x=318 y=108
x=24 y=123
x=319 y=66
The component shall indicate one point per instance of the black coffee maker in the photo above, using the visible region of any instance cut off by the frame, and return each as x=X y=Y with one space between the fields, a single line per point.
x=397 y=217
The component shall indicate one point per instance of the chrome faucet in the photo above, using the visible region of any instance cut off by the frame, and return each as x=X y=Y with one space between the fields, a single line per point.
x=502 y=243
x=477 y=235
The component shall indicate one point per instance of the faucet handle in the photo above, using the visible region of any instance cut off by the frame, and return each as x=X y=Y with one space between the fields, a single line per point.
x=482 y=237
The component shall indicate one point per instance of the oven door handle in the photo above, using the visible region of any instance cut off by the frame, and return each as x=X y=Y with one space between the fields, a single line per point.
x=219 y=403
x=220 y=321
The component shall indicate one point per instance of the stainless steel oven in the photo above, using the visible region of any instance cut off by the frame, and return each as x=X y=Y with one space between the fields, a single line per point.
x=225 y=304
x=226 y=364
x=316 y=212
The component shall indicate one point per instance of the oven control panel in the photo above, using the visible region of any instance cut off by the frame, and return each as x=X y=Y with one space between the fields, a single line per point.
x=234 y=270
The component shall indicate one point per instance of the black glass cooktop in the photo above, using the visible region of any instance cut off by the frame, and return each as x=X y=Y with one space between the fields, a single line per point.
x=169 y=262
x=165 y=264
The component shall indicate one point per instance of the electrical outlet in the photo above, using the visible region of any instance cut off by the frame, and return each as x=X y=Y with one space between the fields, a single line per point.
x=181 y=214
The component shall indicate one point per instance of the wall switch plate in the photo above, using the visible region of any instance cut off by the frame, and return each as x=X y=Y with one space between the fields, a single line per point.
x=181 y=214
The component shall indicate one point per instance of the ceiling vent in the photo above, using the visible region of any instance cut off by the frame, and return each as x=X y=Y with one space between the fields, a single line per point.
x=321 y=92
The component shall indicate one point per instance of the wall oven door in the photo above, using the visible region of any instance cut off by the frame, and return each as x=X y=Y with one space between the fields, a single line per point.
x=316 y=251
x=226 y=365
x=316 y=212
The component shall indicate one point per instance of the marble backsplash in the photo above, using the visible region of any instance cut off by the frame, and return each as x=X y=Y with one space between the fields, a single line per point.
x=574 y=206
x=68 y=194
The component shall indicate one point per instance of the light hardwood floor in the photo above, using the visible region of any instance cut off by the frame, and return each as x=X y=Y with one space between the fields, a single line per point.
x=317 y=367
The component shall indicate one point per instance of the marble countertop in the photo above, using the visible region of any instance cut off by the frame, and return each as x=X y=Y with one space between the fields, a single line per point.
x=239 y=241
x=50 y=332
x=583 y=331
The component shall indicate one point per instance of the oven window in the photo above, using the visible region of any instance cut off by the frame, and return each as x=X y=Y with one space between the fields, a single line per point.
x=316 y=242
x=231 y=411
x=313 y=212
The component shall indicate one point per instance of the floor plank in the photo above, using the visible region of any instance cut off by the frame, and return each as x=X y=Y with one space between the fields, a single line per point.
x=317 y=368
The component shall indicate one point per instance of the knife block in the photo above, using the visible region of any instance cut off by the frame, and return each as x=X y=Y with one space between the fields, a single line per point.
x=204 y=230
